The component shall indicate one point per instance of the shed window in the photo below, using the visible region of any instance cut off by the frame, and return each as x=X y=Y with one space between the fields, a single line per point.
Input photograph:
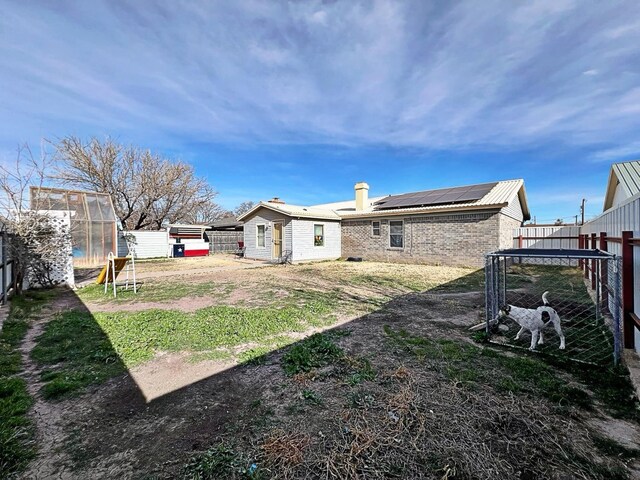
x=396 y=234
x=375 y=229
x=260 y=235
x=318 y=235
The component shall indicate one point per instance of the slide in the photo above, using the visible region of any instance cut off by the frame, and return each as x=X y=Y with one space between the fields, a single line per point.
x=119 y=262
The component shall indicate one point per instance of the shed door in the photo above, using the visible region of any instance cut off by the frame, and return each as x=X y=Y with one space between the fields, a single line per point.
x=277 y=240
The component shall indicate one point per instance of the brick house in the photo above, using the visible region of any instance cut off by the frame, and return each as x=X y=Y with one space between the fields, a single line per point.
x=451 y=226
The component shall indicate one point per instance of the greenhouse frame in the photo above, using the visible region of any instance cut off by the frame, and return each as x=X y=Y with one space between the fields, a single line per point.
x=93 y=221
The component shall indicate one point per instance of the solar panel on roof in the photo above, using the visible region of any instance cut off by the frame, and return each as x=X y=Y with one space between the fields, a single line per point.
x=440 y=196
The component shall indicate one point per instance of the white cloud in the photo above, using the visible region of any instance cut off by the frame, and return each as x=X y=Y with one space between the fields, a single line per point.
x=403 y=73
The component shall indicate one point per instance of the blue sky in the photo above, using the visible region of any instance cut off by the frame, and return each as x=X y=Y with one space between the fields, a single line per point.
x=303 y=99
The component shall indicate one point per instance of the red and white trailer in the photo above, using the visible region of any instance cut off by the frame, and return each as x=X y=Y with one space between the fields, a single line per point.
x=188 y=241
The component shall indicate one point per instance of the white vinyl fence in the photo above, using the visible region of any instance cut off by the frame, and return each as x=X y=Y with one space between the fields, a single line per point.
x=148 y=244
x=546 y=237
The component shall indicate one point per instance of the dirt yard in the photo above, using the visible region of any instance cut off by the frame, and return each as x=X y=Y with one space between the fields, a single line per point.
x=327 y=370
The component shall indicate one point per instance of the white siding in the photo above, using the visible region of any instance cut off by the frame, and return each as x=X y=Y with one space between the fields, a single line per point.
x=619 y=196
x=514 y=209
x=149 y=244
x=265 y=217
x=303 y=244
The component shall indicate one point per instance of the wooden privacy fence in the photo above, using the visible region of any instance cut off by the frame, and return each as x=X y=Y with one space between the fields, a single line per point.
x=221 y=242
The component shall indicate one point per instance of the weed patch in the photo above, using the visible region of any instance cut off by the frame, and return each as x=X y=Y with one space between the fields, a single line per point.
x=316 y=351
x=221 y=461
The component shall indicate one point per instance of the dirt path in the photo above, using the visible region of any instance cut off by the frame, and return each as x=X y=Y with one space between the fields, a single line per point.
x=49 y=418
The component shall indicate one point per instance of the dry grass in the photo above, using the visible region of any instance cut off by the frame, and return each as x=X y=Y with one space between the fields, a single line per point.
x=418 y=427
x=284 y=451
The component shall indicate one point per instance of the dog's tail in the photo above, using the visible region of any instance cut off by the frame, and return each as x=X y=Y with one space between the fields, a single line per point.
x=544 y=298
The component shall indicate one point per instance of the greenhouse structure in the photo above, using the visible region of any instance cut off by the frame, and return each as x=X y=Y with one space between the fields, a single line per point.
x=93 y=221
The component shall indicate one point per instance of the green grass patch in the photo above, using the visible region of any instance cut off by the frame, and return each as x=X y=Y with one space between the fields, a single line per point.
x=211 y=355
x=309 y=396
x=80 y=349
x=155 y=292
x=316 y=351
x=363 y=371
x=79 y=353
x=16 y=430
x=469 y=364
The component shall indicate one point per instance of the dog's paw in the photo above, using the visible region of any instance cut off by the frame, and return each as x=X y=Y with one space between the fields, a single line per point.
x=561 y=347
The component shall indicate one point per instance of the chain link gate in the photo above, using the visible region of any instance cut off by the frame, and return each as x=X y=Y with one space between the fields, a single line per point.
x=588 y=302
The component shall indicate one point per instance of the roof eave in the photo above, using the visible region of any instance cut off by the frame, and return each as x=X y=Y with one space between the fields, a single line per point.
x=612 y=183
x=524 y=204
x=391 y=213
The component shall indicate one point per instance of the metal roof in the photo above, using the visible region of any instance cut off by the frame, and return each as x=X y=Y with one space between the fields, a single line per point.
x=627 y=175
x=294 y=211
x=499 y=196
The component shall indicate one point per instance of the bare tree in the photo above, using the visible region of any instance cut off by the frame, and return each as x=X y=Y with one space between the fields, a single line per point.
x=207 y=213
x=38 y=245
x=148 y=190
x=244 y=207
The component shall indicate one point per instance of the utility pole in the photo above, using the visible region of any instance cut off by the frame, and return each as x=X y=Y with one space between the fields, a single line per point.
x=576 y=223
x=584 y=200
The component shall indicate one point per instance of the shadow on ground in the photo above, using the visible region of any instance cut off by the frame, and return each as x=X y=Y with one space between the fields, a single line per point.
x=402 y=392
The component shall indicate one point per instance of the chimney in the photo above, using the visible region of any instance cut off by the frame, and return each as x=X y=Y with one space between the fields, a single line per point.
x=362 y=196
x=276 y=200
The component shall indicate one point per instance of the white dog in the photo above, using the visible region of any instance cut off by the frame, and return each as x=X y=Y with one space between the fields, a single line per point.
x=534 y=321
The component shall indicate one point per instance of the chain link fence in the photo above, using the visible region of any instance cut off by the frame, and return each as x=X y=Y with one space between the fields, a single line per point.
x=588 y=305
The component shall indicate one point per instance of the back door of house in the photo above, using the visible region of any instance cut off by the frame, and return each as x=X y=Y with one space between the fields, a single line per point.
x=277 y=240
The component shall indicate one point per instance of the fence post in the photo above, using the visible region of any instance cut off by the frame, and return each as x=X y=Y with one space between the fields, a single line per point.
x=604 y=272
x=593 y=262
x=627 y=290
x=581 y=247
x=520 y=241
x=585 y=241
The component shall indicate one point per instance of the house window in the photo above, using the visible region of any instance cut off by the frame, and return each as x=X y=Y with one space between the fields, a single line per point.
x=375 y=229
x=396 y=234
x=318 y=235
x=260 y=235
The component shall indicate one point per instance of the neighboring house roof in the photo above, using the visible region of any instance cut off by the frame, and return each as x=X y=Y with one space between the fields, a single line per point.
x=625 y=174
x=226 y=223
x=499 y=195
x=294 y=211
